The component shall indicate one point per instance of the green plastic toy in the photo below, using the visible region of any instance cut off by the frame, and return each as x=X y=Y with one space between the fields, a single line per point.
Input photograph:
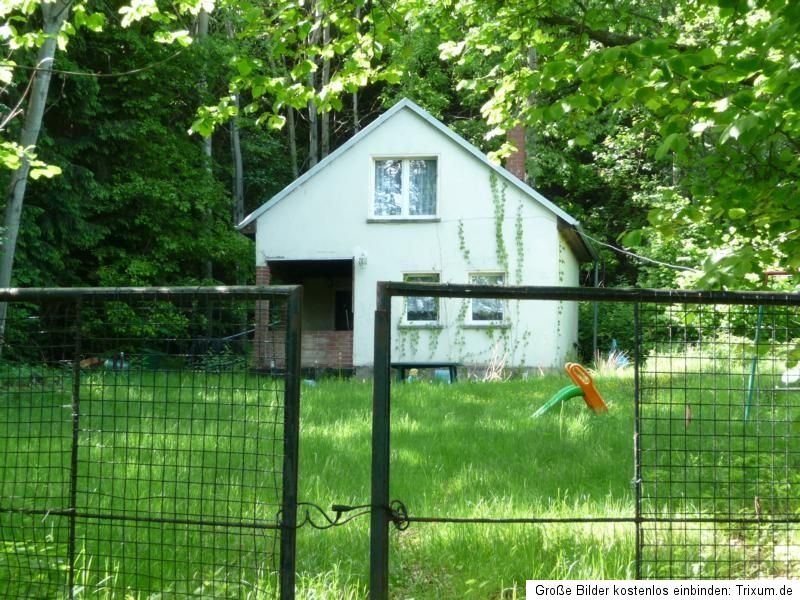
x=571 y=391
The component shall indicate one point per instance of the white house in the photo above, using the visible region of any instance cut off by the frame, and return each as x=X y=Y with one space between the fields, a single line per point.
x=408 y=199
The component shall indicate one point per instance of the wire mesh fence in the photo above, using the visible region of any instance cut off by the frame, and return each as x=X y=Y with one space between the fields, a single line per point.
x=719 y=455
x=713 y=396
x=143 y=443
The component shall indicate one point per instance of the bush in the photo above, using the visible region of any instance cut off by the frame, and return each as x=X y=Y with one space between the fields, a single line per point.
x=614 y=322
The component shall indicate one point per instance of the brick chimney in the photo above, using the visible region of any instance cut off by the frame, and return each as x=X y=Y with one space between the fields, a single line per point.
x=516 y=161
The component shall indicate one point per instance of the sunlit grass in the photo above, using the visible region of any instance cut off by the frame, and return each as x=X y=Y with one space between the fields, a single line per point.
x=474 y=450
x=155 y=449
x=463 y=450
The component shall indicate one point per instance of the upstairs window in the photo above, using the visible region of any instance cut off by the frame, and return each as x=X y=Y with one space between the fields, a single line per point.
x=487 y=310
x=420 y=310
x=405 y=188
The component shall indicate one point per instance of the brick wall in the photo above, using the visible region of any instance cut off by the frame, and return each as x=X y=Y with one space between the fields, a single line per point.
x=263 y=346
x=319 y=349
x=327 y=349
x=516 y=162
x=263 y=275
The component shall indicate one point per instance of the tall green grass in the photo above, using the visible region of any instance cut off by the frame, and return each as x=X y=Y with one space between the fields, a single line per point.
x=463 y=450
x=155 y=449
x=472 y=450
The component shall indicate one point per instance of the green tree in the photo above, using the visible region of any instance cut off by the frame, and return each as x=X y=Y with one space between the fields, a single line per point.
x=715 y=80
x=135 y=204
x=165 y=169
x=20 y=156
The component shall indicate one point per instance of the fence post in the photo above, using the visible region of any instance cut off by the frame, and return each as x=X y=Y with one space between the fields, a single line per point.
x=637 y=446
x=75 y=408
x=379 y=525
x=291 y=434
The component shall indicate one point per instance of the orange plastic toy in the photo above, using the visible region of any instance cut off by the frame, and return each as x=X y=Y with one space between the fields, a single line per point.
x=583 y=380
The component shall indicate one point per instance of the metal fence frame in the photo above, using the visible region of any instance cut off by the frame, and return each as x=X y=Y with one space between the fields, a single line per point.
x=384 y=513
x=293 y=295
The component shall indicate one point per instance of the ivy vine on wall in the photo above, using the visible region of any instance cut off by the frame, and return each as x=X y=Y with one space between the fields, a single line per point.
x=509 y=339
x=499 y=203
x=462 y=242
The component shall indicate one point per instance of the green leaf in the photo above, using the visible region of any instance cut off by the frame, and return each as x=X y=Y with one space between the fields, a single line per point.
x=737 y=213
x=707 y=56
x=449 y=50
x=723 y=74
x=582 y=139
x=170 y=37
x=679 y=65
x=738 y=127
x=734 y=5
x=44 y=170
x=588 y=102
x=244 y=66
x=303 y=68
x=7 y=72
x=138 y=10
x=793 y=95
x=392 y=75
x=276 y=121
x=653 y=47
x=633 y=238
x=11 y=155
x=693 y=214
x=674 y=142
x=93 y=22
x=203 y=126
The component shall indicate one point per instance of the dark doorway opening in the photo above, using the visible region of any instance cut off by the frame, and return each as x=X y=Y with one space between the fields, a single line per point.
x=343 y=307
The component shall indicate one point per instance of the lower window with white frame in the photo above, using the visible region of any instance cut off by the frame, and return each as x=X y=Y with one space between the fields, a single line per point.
x=422 y=310
x=488 y=311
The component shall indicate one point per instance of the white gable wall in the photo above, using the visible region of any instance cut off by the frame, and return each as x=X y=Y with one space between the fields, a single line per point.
x=327 y=217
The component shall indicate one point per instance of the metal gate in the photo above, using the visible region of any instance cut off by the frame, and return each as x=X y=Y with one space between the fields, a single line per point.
x=148 y=442
x=716 y=412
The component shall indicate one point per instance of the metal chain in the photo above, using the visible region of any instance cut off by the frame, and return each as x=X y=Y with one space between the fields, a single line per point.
x=397 y=510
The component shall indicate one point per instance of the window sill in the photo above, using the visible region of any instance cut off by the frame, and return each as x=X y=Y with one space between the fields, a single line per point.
x=391 y=220
x=422 y=325
x=487 y=325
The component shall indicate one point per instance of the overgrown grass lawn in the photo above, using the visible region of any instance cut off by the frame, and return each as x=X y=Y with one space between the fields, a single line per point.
x=201 y=446
x=470 y=450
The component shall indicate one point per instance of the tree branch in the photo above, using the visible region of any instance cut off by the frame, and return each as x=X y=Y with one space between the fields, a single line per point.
x=607 y=38
x=96 y=75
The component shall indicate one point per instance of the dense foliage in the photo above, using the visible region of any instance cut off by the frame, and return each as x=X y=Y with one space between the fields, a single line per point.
x=668 y=128
x=701 y=98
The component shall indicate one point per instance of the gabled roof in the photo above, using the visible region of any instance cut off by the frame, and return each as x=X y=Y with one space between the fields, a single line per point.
x=566 y=221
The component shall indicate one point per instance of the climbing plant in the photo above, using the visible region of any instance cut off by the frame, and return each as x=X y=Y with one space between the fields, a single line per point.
x=499 y=203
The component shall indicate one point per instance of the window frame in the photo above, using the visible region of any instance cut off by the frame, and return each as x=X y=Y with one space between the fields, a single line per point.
x=503 y=321
x=405 y=214
x=406 y=322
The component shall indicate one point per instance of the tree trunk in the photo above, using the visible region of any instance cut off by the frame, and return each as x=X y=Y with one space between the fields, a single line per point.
x=236 y=154
x=356 y=120
x=237 y=181
x=533 y=65
x=313 y=127
x=208 y=148
x=238 y=168
x=53 y=17
x=313 y=121
x=292 y=141
x=325 y=118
